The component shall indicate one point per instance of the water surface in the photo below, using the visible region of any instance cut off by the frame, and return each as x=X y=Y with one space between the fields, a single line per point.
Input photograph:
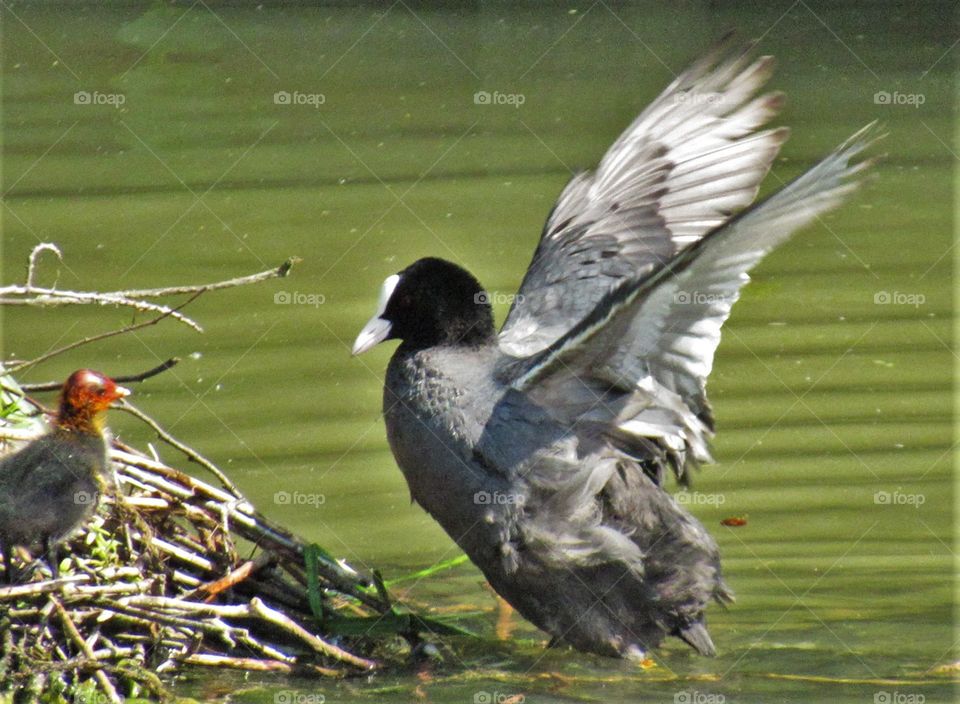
x=832 y=387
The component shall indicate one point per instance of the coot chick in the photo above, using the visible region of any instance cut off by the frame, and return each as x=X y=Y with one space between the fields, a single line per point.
x=51 y=486
x=543 y=451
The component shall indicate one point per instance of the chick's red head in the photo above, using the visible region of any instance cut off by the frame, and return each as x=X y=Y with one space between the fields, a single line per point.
x=85 y=396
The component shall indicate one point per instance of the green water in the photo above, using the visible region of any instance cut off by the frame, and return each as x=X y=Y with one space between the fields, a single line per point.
x=823 y=396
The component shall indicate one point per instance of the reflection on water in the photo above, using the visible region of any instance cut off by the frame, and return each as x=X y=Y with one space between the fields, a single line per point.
x=180 y=144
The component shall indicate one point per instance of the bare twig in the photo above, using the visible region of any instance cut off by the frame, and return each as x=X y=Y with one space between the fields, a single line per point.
x=211 y=590
x=191 y=454
x=20 y=591
x=254 y=664
x=277 y=273
x=49 y=297
x=124 y=379
x=71 y=629
x=34 y=257
x=17 y=434
x=29 y=294
x=102 y=336
x=281 y=620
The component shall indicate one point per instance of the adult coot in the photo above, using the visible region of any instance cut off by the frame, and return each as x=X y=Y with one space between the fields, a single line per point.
x=543 y=450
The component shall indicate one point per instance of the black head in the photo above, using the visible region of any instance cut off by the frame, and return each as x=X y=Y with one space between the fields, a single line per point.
x=432 y=302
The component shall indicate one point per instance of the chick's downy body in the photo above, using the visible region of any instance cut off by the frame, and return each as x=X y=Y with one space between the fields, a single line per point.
x=51 y=486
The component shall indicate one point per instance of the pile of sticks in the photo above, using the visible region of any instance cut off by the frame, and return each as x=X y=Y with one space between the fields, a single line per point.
x=157 y=580
x=172 y=570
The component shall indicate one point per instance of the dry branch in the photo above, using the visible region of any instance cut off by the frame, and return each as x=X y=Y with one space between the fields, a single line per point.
x=29 y=294
x=119 y=378
x=102 y=336
x=191 y=454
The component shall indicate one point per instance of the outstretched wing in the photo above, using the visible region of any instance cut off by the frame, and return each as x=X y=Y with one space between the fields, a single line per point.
x=690 y=160
x=645 y=352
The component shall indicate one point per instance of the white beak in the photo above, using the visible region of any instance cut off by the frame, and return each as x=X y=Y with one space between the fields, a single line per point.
x=377 y=329
x=374 y=332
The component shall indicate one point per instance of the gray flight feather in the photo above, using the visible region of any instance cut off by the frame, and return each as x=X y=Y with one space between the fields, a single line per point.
x=686 y=163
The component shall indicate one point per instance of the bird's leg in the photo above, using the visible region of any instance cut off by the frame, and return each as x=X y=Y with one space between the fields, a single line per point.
x=51 y=550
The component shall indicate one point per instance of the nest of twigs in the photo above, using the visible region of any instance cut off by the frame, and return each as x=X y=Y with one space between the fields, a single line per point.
x=157 y=580
x=176 y=571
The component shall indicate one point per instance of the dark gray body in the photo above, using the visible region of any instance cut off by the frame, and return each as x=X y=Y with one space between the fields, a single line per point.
x=536 y=503
x=544 y=450
x=49 y=488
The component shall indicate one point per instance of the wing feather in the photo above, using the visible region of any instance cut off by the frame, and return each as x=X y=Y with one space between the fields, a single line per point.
x=650 y=342
x=679 y=170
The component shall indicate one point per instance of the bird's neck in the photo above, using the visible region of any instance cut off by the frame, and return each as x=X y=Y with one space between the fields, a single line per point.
x=80 y=421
